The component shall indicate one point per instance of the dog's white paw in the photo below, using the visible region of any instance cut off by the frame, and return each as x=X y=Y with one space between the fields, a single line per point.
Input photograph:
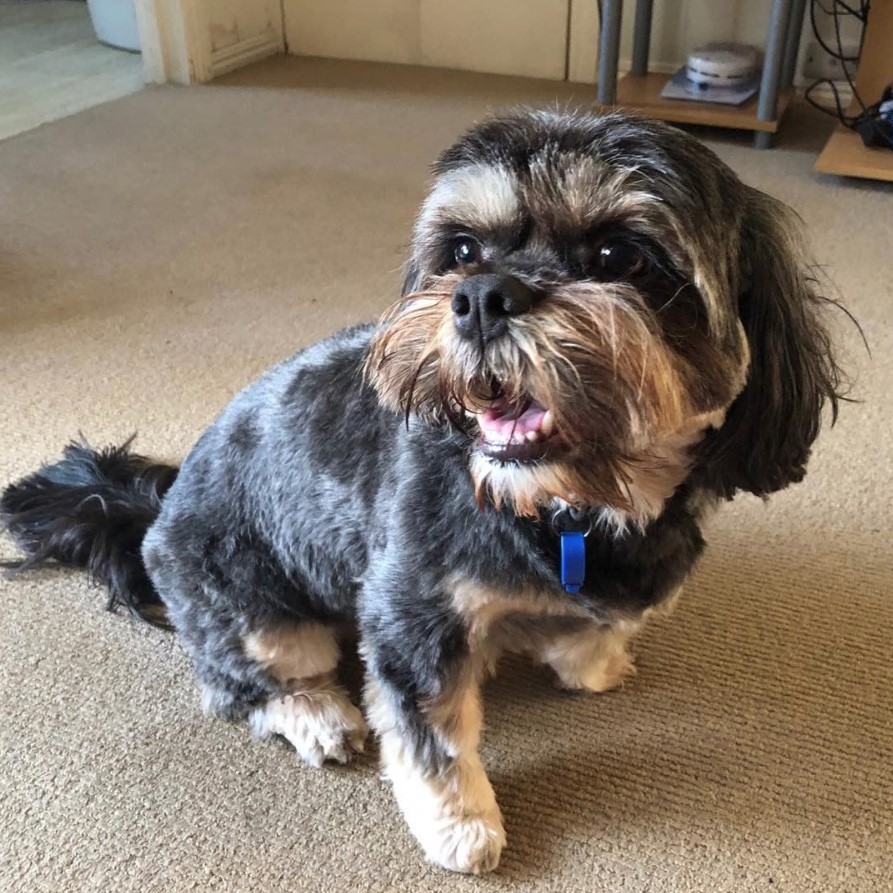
x=600 y=675
x=470 y=844
x=320 y=725
x=452 y=813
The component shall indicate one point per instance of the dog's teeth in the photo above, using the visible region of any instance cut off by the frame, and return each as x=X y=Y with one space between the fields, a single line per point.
x=532 y=436
x=547 y=426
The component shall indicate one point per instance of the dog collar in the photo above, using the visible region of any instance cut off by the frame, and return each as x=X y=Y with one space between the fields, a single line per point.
x=572 y=527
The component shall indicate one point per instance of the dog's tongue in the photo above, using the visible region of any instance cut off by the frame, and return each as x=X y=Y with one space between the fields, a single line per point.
x=505 y=421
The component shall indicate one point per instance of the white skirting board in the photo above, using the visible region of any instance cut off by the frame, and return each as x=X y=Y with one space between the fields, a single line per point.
x=244 y=52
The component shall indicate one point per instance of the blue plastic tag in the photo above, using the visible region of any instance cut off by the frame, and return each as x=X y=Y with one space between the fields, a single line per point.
x=573 y=560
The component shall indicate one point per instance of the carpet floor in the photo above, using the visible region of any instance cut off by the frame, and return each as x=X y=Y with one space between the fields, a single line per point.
x=160 y=251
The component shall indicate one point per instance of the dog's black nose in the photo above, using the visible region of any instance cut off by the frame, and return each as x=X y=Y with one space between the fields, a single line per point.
x=482 y=305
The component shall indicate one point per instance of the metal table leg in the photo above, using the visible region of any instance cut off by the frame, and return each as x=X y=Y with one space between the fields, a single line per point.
x=792 y=44
x=767 y=106
x=642 y=36
x=609 y=51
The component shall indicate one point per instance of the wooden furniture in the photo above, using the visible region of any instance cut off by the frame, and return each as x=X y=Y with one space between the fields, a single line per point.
x=640 y=90
x=844 y=152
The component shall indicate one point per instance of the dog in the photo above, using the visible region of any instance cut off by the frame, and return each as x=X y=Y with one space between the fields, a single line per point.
x=603 y=334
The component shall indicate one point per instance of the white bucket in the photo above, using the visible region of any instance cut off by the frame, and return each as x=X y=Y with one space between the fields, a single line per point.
x=115 y=23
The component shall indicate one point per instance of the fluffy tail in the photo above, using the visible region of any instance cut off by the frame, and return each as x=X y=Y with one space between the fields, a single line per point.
x=91 y=510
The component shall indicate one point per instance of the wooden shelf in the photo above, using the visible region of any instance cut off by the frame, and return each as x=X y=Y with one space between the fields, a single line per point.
x=641 y=93
x=846 y=155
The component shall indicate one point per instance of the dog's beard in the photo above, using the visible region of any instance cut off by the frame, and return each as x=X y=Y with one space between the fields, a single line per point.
x=585 y=376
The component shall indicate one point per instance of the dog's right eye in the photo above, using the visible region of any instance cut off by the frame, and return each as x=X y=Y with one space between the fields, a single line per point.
x=466 y=251
x=615 y=259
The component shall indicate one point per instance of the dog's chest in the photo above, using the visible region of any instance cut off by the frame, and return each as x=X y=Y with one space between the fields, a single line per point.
x=512 y=618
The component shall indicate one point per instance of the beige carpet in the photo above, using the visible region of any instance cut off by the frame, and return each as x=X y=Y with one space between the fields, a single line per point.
x=160 y=251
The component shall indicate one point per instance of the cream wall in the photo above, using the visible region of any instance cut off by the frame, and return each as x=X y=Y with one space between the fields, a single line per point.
x=522 y=37
x=195 y=40
x=537 y=38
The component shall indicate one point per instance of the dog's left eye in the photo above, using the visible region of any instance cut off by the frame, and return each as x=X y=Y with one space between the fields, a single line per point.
x=466 y=251
x=615 y=259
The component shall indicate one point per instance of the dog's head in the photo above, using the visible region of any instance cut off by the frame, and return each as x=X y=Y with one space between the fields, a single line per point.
x=603 y=309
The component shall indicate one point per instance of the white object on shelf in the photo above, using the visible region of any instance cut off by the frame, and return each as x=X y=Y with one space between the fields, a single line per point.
x=115 y=23
x=680 y=86
x=721 y=64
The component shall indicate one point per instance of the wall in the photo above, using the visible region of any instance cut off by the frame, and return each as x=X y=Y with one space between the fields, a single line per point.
x=537 y=38
x=521 y=37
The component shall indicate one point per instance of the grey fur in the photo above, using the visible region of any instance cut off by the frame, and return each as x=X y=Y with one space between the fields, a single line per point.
x=330 y=509
x=310 y=500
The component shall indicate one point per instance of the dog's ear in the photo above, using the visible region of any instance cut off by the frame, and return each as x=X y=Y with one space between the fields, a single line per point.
x=769 y=429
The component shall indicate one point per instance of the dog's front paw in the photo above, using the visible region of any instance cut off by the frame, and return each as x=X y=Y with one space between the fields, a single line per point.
x=320 y=725
x=471 y=844
x=600 y=675
x=452 y=813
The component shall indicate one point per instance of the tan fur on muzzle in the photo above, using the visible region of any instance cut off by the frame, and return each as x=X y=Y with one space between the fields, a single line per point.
x=590 y=352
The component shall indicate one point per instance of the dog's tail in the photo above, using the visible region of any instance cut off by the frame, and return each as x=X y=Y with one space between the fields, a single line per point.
x=91 y=510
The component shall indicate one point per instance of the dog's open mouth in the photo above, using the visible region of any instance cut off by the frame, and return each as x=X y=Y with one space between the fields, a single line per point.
x=513 y=431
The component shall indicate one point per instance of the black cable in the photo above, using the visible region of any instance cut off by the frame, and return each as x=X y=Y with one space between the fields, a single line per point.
x=838 y=112
x=841 y=116
x=866 y=113
x=821 y=41
x=860 y=14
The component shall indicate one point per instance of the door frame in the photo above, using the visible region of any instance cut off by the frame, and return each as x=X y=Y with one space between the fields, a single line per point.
x=175 y=40
x=170 y=41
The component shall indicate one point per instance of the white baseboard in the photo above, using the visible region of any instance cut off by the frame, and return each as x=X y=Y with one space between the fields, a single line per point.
x=245 y=51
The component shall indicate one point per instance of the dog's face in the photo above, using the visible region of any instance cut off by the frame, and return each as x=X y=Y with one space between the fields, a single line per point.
x=587 y=300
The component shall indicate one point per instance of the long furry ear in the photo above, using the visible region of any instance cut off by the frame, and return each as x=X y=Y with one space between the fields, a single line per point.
x=769 y=429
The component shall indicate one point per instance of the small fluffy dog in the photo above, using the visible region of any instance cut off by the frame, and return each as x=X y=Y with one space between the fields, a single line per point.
x=602 y=333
